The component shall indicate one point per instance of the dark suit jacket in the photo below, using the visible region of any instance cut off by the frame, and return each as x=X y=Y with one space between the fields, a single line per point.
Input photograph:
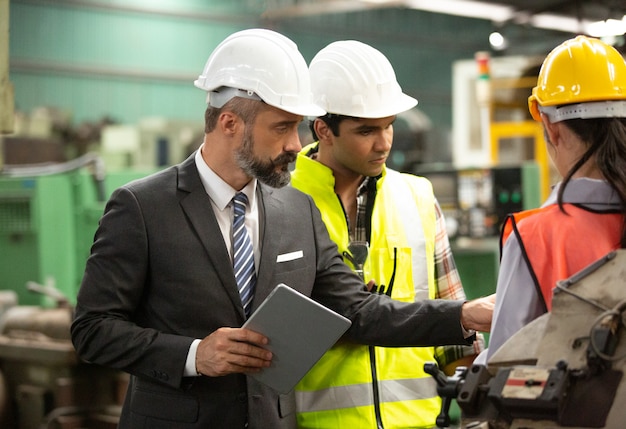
x=159 y=276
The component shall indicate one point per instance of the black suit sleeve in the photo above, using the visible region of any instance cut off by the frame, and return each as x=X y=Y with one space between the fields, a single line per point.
x=112 y=300
x=377 y=319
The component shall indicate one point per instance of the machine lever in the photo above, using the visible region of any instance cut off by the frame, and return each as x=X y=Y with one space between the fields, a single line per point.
x=447 y=388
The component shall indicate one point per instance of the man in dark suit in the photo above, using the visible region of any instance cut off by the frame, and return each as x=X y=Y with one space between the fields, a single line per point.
x=159 y=298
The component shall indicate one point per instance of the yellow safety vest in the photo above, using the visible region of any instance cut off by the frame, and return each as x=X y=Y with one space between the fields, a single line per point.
x=354 y=386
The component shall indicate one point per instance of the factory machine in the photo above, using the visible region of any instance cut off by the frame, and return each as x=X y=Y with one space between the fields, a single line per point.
x=499 y=162
x=563 y=370
x=48 y=216
x=475 y=201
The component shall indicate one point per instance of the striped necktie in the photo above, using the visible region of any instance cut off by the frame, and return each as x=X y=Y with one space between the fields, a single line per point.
x=243 y=255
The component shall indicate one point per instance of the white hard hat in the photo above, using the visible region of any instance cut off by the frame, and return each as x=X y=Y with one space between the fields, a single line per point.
x=259 y=64
x=354 y=79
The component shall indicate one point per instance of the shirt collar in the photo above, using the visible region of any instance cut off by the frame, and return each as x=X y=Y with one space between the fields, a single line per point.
x=220 y=192
x=368 y=183
x=586 y=191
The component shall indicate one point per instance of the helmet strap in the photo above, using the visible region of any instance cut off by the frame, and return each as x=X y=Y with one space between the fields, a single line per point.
x=594 y=109
x=222 y=95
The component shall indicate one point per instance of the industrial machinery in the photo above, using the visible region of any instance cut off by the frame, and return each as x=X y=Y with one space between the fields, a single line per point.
x=565 y=369
x=53 y=188
x=475 y=201
x=43 y=384
x=491 y=122
x=48 y=216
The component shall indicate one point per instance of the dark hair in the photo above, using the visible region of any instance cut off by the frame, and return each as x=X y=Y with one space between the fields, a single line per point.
x=244 y=108
x=332 y=121
x=606 y=139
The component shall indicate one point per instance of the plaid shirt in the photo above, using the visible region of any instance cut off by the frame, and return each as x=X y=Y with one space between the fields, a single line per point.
x=447 y=280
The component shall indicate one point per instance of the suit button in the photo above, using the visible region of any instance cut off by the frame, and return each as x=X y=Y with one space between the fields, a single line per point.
x=242 y=397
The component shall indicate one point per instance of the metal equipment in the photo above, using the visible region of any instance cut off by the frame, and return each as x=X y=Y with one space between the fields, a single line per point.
x=565 y=369
x=491 y=122
x=475 y=201
x=43 y=384
x=48 y=216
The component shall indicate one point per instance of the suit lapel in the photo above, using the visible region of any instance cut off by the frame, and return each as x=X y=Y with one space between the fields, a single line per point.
x=271 y=236
x=197 y=206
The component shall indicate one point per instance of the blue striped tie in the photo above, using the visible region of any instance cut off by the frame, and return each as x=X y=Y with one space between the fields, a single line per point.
x=243 y=255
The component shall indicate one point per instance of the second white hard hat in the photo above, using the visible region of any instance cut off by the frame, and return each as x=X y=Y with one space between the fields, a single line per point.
x=259 y=64
x=352 y=78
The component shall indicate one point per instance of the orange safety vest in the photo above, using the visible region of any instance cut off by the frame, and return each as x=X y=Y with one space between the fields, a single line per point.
x=556 y=245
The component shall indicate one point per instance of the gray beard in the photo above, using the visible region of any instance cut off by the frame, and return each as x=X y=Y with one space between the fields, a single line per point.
x=264 y=171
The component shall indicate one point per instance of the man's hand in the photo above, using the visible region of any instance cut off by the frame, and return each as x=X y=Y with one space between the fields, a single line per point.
x=232 y=350
x=476 y=314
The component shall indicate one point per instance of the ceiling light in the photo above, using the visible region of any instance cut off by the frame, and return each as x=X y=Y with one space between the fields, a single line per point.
x=497 y=41
x=499 y=13
x=468 y=8
x=610 y=27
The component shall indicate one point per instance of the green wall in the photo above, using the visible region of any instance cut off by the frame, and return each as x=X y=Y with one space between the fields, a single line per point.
x=131 y=59
x=120 y=63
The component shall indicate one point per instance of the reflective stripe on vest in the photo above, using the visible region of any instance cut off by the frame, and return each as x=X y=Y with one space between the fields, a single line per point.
x=338 y=390
x=543 y=234
x=398 y=222
x=358 y=395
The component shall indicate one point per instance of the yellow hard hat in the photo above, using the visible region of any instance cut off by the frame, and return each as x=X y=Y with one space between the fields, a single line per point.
x=580 y=70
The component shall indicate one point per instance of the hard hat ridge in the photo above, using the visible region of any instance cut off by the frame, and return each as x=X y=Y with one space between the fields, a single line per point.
x=263 y=62
x=584 y=72
x=351 y=78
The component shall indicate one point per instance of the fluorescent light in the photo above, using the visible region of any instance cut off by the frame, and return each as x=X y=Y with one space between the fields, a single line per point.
x=499 y=13
x=468 y=8
x=610 y=27
x=496 y=13
x=550 y=21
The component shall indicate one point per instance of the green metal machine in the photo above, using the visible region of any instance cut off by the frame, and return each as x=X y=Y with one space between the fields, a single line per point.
x=47 y=224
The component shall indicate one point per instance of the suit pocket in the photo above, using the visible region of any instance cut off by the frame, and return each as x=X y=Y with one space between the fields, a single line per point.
x=291 y=265
x=164 y=405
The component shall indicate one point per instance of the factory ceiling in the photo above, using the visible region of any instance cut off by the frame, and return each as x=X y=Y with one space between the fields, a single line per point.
x=592 y=10
x=573 y=16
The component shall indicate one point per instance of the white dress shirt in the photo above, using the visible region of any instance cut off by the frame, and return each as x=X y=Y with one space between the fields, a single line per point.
x=221 y=195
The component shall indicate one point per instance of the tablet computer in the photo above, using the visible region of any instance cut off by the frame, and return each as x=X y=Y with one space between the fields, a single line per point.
x=300 y=331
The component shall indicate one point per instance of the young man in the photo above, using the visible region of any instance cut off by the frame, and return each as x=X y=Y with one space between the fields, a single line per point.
x=161 y=297
x=389 y=227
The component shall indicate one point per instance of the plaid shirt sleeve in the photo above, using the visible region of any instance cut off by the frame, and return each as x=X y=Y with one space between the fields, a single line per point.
x=449 y=286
